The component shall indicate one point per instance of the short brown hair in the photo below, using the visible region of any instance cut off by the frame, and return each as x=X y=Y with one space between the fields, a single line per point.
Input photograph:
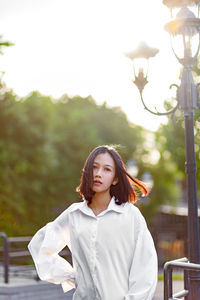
x=123 y=191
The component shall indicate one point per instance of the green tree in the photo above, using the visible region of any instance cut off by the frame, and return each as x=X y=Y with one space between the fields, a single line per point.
x=43 y=145
x=170 y=141
x=22 y=160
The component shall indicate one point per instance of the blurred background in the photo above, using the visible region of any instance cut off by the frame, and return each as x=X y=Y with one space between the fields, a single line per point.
x=66 y=87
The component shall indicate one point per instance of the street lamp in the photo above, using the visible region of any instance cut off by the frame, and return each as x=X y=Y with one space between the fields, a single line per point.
x=185 y=26
x=142 y=52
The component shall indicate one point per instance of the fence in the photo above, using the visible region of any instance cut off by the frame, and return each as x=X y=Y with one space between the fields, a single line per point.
x=183 y=264
x=10 y=253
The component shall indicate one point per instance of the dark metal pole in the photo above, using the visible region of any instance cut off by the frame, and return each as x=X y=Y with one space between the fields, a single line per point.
x=186 y=282
x=5 y=256
x=187 y=101
x=193 y=224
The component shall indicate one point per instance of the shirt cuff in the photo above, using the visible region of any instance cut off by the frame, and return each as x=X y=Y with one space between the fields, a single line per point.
x=67 y=285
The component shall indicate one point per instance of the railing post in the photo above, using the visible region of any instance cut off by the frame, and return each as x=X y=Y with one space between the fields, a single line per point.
x=187 y=267
x=167 y=281
x=5 y=256
x=186 y=282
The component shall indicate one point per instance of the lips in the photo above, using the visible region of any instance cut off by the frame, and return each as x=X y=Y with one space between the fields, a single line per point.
x=97 y=182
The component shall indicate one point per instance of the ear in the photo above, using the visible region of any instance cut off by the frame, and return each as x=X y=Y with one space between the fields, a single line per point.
x=115 y=181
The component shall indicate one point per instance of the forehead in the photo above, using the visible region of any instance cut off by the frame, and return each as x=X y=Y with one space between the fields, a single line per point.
x=104 y=159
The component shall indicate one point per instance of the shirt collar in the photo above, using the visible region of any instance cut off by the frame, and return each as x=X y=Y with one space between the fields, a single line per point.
x=82 y=206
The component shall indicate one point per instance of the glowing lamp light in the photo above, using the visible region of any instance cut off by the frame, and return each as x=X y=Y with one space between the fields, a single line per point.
x=184 y=31
x=140 y=57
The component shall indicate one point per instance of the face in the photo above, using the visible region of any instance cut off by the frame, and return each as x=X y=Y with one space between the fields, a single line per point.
x=103 y=173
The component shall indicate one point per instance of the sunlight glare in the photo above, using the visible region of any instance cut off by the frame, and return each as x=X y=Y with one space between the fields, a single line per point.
x=77 y=47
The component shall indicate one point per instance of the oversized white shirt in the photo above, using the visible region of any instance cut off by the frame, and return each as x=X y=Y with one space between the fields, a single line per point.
x=113 y=253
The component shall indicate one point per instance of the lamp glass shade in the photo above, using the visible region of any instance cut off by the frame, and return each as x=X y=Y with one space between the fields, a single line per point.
x=185 y=45
x=184 y=31
x=140 y=67
x=140 y=57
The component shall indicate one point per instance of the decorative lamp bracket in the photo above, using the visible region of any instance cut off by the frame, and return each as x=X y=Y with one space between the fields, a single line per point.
x=187 y=95
x=157 y=113
x=140 y=81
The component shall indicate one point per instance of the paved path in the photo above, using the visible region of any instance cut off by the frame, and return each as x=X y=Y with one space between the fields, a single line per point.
x=177 y=287
x=19 y=281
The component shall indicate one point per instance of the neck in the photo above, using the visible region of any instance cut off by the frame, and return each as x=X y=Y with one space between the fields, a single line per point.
x=100 y=200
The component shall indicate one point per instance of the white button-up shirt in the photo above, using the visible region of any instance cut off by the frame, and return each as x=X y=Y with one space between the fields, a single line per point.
x=113 y=253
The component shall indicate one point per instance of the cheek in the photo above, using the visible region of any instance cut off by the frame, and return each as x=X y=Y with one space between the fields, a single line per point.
x=111 y=178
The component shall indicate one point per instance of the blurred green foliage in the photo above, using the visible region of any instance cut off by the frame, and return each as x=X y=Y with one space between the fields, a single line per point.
x=44 y=143
x=169 y=172
x=43 y=146
x=170 y=141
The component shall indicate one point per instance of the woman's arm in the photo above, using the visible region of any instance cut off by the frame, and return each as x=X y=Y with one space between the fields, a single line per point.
x=143 y=273
x=44 y=248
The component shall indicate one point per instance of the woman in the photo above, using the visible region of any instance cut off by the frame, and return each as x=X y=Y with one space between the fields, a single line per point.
x=112 y=250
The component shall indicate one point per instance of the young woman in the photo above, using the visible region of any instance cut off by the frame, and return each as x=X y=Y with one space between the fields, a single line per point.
x=112 y=250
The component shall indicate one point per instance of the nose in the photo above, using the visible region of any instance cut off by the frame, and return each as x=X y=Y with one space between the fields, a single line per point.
x=98 y=172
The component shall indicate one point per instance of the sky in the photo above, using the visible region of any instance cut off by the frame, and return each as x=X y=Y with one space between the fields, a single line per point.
x=78 y=47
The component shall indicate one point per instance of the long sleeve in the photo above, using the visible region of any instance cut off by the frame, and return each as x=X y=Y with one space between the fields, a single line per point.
x=44 y=248
x=143 y=273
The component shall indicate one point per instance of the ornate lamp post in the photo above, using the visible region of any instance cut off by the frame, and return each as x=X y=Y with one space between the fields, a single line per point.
x=187 y=27
x=144 y=52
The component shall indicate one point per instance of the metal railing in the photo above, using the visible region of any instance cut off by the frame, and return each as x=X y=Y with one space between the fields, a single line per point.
x=9 y=253
x=184 y=265
x=5 y=255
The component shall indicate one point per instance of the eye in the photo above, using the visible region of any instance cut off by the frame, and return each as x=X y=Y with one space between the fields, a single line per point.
x=94 y=166
x=108 y=169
